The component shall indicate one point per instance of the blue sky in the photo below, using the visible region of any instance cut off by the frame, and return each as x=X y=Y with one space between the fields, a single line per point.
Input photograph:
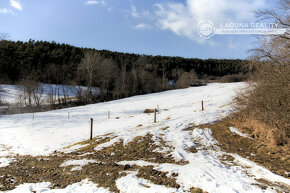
x=155 y=27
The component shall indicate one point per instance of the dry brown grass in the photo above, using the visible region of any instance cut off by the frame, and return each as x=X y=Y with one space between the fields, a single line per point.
x=264 y=105
x=150 y=110
x=192 y=149
x=146 y=186
x=95 y=141
x=279 y=188
x=196 y=190
x=259 y=131
x=165 y=128
x=274 y=158
x=234 y=78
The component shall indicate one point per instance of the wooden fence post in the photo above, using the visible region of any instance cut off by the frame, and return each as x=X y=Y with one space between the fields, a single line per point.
x=91 y=133
x=108 y=114
x=155 y=115
x=33 y=116
x=68 y=115
x=202 y=106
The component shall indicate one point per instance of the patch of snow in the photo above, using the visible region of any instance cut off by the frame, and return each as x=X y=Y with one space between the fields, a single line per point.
x=138 y=163
x=259 y=171
x=85 y=154
x=85 y=186
x=30 y=187
x=132 y=184
x=77 y=168
x=79 y=163
x=204 y=170
x=73 y=148
x=5 y=161
x=107 y=144
x=5 y=151
x=237 y=132
x=204 y=137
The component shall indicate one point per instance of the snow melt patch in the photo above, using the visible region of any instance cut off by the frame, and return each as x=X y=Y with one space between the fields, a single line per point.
x=85 y=186
x=5 y=161
x=204 y=137
x=204 y=170
x=259 y=171
x=5 y=150
x=78 y=163
x=133 y=184
x=138 y=163
x=237 y=132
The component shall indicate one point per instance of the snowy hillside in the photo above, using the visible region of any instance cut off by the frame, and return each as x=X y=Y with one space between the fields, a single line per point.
x=60 y=130
x=10 y=93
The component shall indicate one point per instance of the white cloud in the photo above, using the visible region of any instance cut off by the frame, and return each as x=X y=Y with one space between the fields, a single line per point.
x=6 y=11
x=138 y=14
x=183 y=19
x=142 y=26
x=134 y=12
x=15 y=4
x=95 y=2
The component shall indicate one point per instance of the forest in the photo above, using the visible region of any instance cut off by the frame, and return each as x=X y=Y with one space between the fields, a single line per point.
x=118 y=75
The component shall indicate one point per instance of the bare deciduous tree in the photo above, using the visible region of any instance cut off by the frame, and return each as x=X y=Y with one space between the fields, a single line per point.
x=89 y=65
x=51 y=95
x=4 y=36
x=274 y=48
x=30 y=93
x=164 y=74
x=106 y=73
x=185 y=79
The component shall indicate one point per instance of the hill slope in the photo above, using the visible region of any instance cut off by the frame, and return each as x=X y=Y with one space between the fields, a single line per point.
x=129 y=153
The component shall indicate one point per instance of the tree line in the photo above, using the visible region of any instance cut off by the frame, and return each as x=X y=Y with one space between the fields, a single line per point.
x=116 y=74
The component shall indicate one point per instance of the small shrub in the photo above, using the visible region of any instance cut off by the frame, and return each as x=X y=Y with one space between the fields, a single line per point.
x=150 y=110
x=266 y=99
x=234 y=78
x=196 y=190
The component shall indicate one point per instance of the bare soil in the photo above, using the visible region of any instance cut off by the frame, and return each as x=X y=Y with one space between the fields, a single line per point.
x=28 y=169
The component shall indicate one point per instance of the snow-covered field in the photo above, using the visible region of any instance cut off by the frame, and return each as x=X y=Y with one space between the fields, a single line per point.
x=50 y=131
x=11 y=93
